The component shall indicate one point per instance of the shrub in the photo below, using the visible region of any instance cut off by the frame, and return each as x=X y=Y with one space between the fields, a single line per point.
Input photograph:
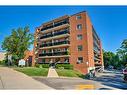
x=3 y=63
x=37 y=65
x=61 y=68
x=45 y=65
x=65 y=66
x=42 y=65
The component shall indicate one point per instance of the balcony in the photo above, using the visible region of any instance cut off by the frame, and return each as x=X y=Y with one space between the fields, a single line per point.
x=96 y=59
x=61 y=23
x=60 y=53
x=55 y=24
x=96 y=50
x=48 y=27
x=54 y=62
x=61 y=42
x=54 y=53
x=96 y=45
x=55 y=43
x=46 y=36
x=43 y=62
x=55 y=37
x=61 y=32
x=55 y=34
x=97 y=56
x=46 y=45
x=46 y=54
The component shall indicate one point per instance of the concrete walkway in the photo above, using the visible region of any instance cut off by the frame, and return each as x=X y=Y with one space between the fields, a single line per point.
x=52 y=73
x=11 y=79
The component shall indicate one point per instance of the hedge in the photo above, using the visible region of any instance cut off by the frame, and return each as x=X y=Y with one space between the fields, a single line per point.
x=3 y=62
x=64 y=66
x=42 y=65
x=58 y=66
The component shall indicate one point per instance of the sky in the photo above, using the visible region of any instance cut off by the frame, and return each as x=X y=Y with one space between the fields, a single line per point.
x=110 y=22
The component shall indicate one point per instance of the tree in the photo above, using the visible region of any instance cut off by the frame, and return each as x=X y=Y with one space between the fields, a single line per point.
x=122 y=52
x=107 y=58
x=18 y=42
x=111 y=59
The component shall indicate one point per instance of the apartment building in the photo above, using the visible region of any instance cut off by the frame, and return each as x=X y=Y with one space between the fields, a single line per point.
x=69 y=40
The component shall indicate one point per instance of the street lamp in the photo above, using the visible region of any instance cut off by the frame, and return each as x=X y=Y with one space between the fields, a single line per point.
x=87 y=63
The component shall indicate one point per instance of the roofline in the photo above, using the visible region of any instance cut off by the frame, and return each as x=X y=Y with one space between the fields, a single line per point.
x=58 y=18
x=54 y=19
x=78 y=13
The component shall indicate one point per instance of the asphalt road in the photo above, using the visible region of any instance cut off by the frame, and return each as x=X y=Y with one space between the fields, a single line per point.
x=63 y=83
x=103 y=81
x=112 y=79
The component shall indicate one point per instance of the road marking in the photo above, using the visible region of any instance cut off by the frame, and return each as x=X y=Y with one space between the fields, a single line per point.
x=85 y=87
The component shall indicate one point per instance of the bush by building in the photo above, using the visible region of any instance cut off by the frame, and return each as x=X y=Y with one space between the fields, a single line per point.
x=3 y=62
x=64 y=66
x=42 y=65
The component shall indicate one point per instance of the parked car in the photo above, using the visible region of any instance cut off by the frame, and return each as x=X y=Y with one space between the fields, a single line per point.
x=125 y=74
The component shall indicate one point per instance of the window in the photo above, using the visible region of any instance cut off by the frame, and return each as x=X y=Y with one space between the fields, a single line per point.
x=79 y=26
x=44 y=51
x=79 y=47
x=78 y=17
x=79 y=37
x=66 y=60
x=43 y=60
x=80 y=60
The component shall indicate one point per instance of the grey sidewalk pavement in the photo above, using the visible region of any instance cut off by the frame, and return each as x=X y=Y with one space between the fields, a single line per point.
x=11 y=79
x=52 y=73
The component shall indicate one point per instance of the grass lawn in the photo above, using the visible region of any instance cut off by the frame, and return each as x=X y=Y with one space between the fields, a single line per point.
x=69 y=73
x=33 y=71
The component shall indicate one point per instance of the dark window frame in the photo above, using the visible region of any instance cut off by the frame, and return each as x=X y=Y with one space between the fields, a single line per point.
x=79 y=27
x=78 y=17
x=80 y=60
x=80 y=48
x=79 y=37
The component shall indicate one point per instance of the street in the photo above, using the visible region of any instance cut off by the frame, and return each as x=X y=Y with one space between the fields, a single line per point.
x=104 y=81
x=112 y=79
x=108 y=80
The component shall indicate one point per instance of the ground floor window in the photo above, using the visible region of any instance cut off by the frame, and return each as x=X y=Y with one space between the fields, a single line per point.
x=66 y=60
x=80 y=60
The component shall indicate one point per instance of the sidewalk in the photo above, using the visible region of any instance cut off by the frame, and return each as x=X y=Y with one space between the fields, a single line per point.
x=11 y=79
x=52 y=73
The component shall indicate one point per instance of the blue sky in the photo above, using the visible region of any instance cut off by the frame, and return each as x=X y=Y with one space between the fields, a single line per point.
x=110 y=22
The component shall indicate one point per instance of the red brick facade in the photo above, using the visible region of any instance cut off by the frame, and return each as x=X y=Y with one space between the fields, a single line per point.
x=57 y=41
